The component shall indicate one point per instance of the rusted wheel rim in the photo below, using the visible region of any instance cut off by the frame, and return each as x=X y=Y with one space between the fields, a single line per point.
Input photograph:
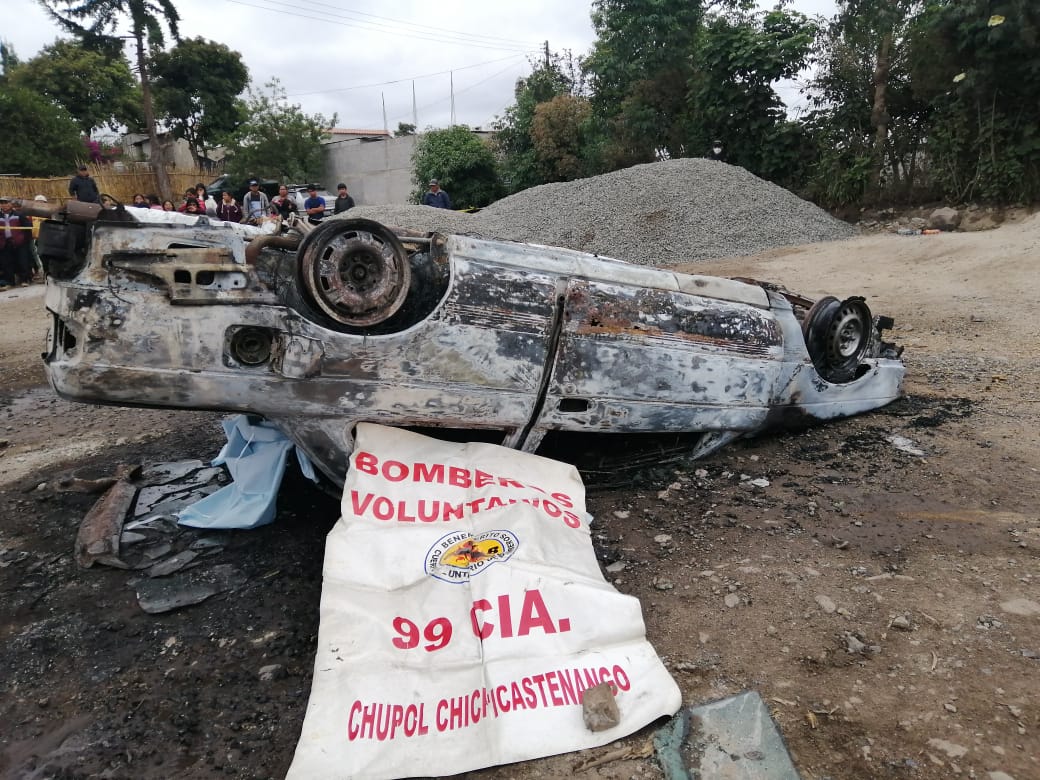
x=355 y=271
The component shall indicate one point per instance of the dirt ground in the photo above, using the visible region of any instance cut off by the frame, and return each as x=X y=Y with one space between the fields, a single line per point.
x=884 y=604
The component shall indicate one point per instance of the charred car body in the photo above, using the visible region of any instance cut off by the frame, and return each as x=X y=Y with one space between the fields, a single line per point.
x=536 y=348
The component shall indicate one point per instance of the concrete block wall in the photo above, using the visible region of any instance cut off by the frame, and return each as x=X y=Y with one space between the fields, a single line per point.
x=376 y=172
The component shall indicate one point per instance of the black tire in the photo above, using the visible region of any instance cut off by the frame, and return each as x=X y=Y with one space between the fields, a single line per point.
x=837 y=335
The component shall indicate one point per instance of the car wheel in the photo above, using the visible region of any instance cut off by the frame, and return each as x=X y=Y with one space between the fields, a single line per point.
x=355 y=271
x=837 y=334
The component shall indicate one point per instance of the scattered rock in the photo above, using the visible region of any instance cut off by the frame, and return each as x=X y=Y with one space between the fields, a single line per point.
x=949 y=748
x=663 y=584
x=271 y=672
x=826 y=604
x=1023 y=607
x=599 y=710
x=732 y=600
x=616 y=567
x=974 y=221
x=945 y=218
x=901 y=622
x=906 y=445
x=999 y=776
x=663 y=538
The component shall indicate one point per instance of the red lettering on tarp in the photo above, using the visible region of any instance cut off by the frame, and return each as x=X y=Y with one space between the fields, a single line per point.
x=534 y=614
x=518 y=699
x=538 y=679
x=394 y=471
x=352 y=730
x=505 y=614
x=529 y=698
x=383 y=508
x=366 y=463
x=482 y=478
x=429 y=472
x=621 y=678
x=483 y=631
x=459 y=477
x=564 y=499
x=431 y=514
x=454 y=511
x=359 y=506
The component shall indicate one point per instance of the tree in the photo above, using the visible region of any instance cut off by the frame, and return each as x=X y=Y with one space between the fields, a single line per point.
x=197 y=88
x=559 y=134
x=40 y=138
x=738 y=57
x=95 y=88
x=277 y=140
x=462 y=162
x=147 y=18
x=552 y=76
x=978 y=64
x=8 y=60
x=403 y=129
x=640 y=69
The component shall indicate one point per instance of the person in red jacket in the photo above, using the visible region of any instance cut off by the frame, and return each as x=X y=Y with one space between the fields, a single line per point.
x=15 y=238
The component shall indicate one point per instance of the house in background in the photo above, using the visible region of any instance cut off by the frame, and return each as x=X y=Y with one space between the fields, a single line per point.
x=137 y=147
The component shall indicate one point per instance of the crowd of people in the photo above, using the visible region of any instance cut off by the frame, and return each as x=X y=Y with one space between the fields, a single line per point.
x=20 y=262
x=255 y=205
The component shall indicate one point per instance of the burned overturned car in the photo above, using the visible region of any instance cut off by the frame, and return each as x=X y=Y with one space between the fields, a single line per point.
x=316 y=328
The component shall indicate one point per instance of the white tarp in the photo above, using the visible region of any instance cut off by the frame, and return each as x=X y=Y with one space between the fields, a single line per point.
x=462 y=615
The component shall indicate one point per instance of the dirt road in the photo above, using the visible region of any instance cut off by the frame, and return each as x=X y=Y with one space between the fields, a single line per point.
x=885 y=604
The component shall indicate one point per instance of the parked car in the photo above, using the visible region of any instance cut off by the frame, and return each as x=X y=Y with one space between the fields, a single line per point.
x=300 y=193
x=533 y=347
x=240 y=188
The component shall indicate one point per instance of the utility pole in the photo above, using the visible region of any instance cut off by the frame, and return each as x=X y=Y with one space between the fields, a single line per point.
x=451 y=77
x=547 y=55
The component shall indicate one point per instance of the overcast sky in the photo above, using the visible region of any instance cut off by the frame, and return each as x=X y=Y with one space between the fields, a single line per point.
x=346 y=57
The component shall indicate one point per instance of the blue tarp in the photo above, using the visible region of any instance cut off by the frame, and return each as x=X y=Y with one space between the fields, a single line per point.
x=255 y=454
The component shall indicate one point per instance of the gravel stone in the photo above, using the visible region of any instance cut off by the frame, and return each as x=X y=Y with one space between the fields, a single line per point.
x=826 y=604
x=663 y=213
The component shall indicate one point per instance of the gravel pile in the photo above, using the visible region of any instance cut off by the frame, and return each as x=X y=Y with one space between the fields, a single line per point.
x=678 y=211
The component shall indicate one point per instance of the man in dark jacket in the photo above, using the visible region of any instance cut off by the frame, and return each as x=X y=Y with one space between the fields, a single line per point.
x=343 y=199
x=83 y=188
x=436 y=197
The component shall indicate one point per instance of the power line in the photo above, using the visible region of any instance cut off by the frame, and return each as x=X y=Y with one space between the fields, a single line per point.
x=422 y=27
x=406 y=78
x=299 y=13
